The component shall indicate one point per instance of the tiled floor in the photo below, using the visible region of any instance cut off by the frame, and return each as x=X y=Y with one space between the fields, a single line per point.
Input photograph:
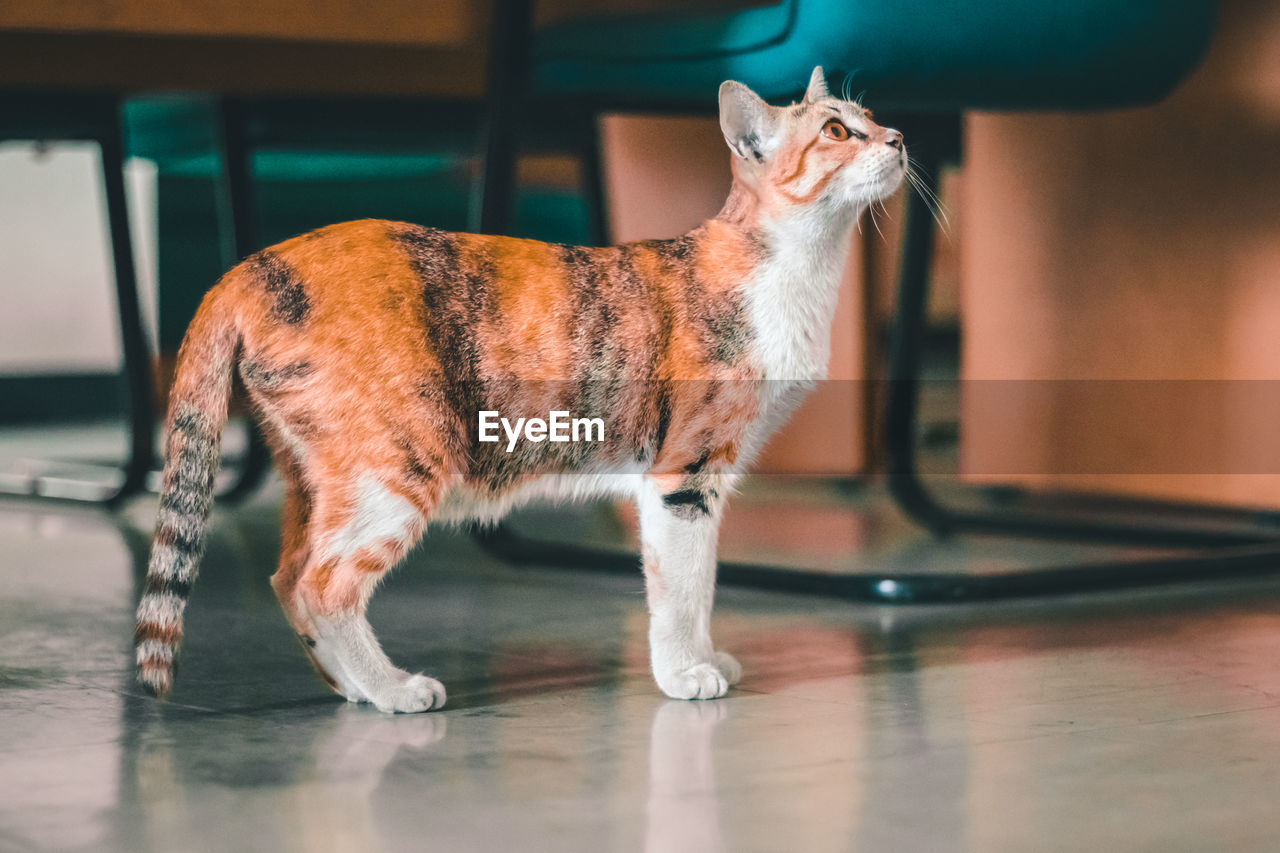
x=1143 y=720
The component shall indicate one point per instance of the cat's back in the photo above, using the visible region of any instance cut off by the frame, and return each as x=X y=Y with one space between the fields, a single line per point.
x=369 y=266
x=358 y=268
x=376 y=296
x=375 y=291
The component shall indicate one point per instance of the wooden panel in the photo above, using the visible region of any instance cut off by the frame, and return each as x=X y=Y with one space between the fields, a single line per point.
x=1132 y=245
x=415 y=22
x=236 y=66
x=446 y=23
x=388 y=47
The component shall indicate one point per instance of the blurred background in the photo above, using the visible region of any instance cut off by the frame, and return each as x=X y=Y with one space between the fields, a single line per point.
x=1100 y=316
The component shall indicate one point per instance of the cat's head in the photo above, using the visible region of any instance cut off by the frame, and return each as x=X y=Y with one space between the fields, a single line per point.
x=823 y=151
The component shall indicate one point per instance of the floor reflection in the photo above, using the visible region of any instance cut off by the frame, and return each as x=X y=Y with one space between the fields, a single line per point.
x=1152 y=713
x=912 y=757
x=683 y=810
x=65 y=579
x=303 y=779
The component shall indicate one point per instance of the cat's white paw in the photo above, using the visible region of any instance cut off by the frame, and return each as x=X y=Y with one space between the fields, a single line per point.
x=703 y=680
x=415 y=694
x=729 y=667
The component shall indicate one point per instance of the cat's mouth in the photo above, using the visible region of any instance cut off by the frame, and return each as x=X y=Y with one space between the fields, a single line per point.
x=883 y=180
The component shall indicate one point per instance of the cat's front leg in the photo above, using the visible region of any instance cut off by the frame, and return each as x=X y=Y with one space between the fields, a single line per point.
x=678 y=529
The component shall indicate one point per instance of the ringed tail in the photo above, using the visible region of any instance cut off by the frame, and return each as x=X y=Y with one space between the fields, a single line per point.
x=197 y=412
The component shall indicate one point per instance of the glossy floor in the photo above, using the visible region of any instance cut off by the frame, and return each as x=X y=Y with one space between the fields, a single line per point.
x=1143 y=720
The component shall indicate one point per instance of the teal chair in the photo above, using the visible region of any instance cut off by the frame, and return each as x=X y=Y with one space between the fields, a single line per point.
x=236 y=174
x=209 y=216
x=239 y=173
x=909 y=55
x=919 y=64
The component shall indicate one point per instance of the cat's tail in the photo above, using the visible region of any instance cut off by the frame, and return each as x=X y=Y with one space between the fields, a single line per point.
x=197 y=412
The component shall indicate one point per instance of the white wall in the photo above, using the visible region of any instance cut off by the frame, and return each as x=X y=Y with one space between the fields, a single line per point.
x=57 y=297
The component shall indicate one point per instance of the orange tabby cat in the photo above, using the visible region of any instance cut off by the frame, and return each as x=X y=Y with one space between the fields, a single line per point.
x=375 y=353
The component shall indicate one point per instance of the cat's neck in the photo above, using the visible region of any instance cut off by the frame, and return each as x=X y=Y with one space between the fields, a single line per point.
x=742 y=209
x=792 y=291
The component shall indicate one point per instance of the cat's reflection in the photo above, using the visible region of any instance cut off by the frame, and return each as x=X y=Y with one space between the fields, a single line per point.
x=193 y=772
x=349 y=761
x=683 y=811
x=361 y=743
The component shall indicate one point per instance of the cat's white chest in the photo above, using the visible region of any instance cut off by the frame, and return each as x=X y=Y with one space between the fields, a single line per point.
x=791 y=302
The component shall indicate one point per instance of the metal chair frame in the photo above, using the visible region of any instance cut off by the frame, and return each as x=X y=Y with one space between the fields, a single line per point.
x=96 y=118
x=1248 y=544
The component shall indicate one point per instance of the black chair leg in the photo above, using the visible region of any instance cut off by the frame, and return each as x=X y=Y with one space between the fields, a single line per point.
x=236 y=199
x=494 y=194
x=240 y=239
x=137 y=358
x=593 y=187
x=929 y=153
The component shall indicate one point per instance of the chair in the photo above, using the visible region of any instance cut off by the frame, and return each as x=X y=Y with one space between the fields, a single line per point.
x=222 y=138
x=921 y=64
x=215 y=140
x=924 y=56
x=96 y=118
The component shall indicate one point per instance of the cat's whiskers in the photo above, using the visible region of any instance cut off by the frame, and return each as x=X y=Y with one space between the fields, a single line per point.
x=884 y=208
x=923 y=187
x=871 y=214
x=930 y=198
x=926 y=191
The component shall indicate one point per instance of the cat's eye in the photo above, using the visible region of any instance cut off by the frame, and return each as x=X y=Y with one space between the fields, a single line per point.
x=835 y=129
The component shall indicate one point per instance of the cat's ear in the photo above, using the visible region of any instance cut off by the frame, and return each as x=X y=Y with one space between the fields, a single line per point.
x=750 y=126
x=817 y=87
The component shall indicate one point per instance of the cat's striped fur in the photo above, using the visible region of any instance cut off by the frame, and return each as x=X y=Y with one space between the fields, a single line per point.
x=368 y=349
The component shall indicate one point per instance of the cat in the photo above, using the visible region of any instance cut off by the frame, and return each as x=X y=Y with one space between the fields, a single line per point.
x=369 y=350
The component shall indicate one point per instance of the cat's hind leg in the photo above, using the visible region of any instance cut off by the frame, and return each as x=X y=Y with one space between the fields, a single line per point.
x=295 y=519
x=678 y=530
x=354 y=539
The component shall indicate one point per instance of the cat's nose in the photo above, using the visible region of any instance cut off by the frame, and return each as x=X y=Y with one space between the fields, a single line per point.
x=893 y=138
